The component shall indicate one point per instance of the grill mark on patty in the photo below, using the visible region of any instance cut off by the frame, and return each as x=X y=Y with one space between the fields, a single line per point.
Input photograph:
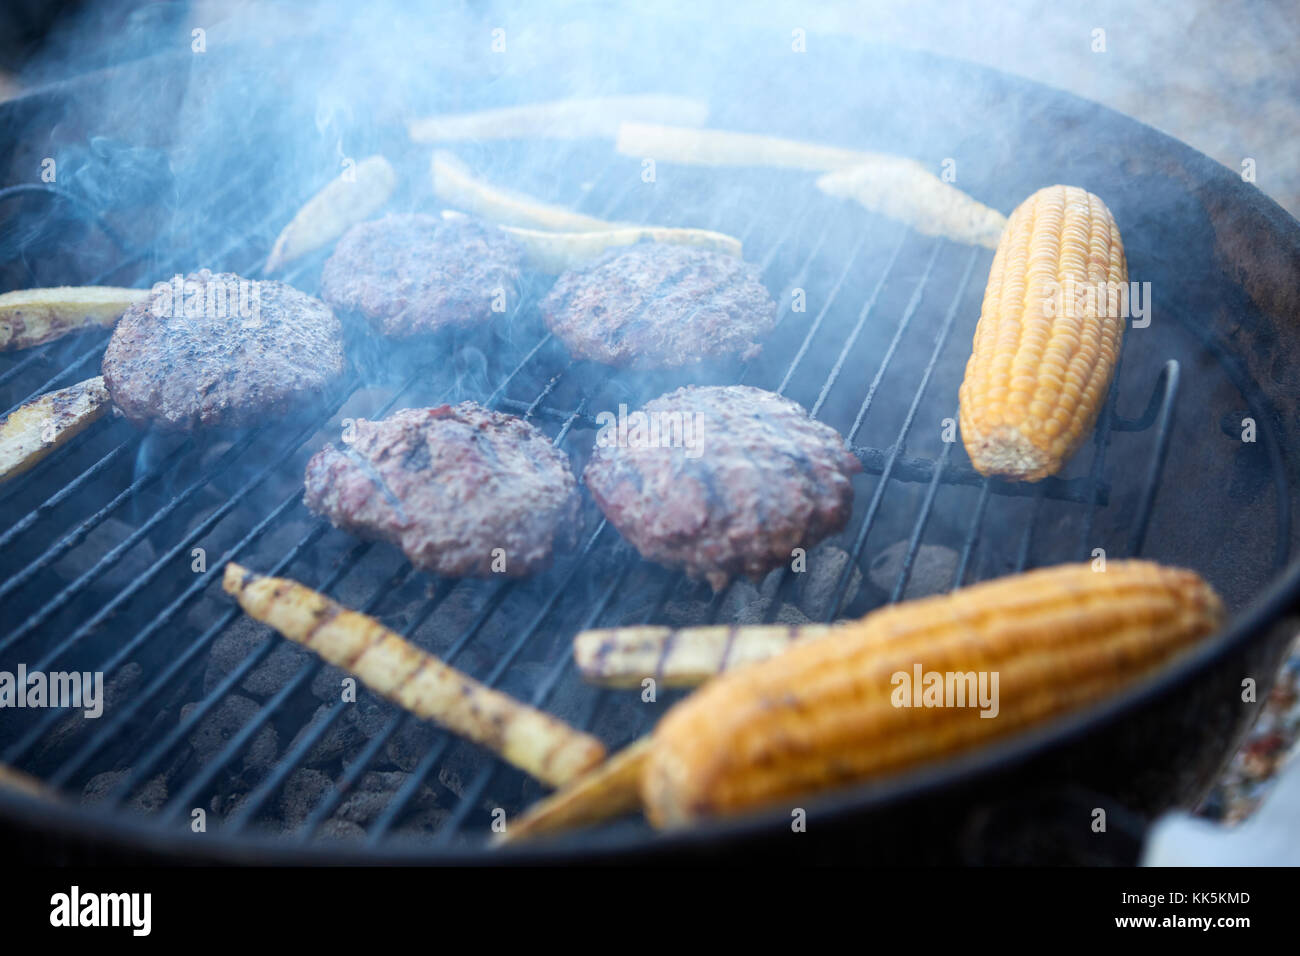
x=457 y=482
x=376 y=479
x=767 y=484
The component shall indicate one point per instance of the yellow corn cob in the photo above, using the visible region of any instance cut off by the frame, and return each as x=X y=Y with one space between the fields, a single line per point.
x=1042 y=363
x=834 y=710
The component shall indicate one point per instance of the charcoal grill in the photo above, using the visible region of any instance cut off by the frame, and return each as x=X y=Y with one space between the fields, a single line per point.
x=98 y=562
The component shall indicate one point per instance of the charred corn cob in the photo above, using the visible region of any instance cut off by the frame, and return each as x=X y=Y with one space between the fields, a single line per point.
x=1048 y=336
x=840 y=709
x=683 y=657
x=533 y=741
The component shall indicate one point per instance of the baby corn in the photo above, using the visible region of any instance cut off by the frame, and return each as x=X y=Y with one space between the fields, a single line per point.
x=344 y=202
x=625 y=656
x=30 y=432
x=1047 y=339
x=536 y=743
x=35 y=316
x=835 y=710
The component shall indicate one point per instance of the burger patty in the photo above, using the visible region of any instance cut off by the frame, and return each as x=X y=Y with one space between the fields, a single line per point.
x=722 y=480
x=657 y=305
x=226 y=351
x=450 y=486
x=414 y=274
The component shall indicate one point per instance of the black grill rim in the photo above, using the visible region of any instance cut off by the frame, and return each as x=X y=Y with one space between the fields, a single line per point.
x=1278 y=602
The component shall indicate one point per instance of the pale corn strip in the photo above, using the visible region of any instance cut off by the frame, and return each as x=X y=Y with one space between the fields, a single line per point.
x=344 y=202
x=610 y=790
x=535 y=742
x=554 y=252
x=716 y=147
x=893 y=186
x=906 y=191
x=559 y=119
x=685 y=657
x=32 y=431
x=455 y=185
x=35 y=316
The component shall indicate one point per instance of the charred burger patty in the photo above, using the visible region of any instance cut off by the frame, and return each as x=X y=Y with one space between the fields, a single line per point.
x=220 y=350
x=722 y=480
x=414 y=274
x=463 y=491
x=656 y=305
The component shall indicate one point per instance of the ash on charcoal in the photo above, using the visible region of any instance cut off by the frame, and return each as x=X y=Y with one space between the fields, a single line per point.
x=224 y=722
x=815 y=587
x=117 y=688
x=304 y=789
x=148 y=798
x=755 y=611
x=375 y=790
x=342 y=737
x=107 y=535
x=932 y=569
x=335 y=829
x=327 y=685
x=410 y=743
x=740 y=595
x=237 y=643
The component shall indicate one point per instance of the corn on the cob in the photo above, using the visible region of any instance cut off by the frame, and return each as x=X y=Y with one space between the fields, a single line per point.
x=1043 y=360
x=832 y=711
x=681 y=657
x=535 y=742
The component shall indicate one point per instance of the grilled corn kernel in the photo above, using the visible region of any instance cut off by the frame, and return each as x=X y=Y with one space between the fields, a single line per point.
x=1048 y=337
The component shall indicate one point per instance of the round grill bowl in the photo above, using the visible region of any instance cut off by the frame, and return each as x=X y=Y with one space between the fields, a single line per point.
x=1223 y=263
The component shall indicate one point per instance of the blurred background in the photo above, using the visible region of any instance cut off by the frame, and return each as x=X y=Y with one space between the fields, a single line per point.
x=1221 y=75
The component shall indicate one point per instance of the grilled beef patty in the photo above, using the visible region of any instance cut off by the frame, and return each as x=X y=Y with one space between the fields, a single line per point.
x=722 y=480
x=449 y=486
x=414 y=274
x=656 y=305
x=227 y=351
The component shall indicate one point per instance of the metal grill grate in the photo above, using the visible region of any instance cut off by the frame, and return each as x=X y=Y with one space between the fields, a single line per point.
x=165 y=619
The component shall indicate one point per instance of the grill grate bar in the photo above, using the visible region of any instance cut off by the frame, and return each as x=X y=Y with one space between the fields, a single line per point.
x=903 y=323
x=196 y=588
x=56 y=499
x=169 y=676
x=1107 y=421
x=77 y=535
x=200 y=584
x=868 y=519
x=922 y=519
x=849 y=262
x=972 y=534
x=1169 y=376
x=138 y=256
x=290 y=761
x=868 y=307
